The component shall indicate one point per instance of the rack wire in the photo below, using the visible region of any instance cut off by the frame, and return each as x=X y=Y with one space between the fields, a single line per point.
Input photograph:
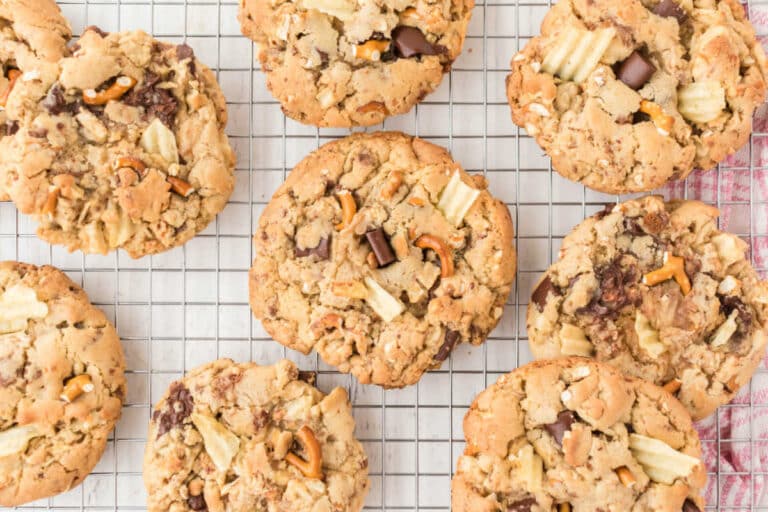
x=185 y=307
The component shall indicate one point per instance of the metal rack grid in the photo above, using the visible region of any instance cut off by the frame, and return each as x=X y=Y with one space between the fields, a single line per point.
x=185 y=307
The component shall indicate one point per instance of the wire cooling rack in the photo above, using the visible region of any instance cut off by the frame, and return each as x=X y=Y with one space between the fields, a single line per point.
x=188 y=306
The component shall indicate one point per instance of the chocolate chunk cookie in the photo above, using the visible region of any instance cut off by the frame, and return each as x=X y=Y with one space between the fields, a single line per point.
x=125 y=149
x=577 y=435
x=61 y=383
x=382 y=254
x=33 y=36
x=354 y=62
x=658 y=291
x=625 y=95
x=243 y=437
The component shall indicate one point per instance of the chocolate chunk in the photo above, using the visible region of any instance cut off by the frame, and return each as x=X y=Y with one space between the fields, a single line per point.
x=322 y=251
x=157 y=102
x=177 y=408
x=411 y=42
x=450 y=340
x=55 y=103
x=524 y=505
x=380 y=246
x=607 y=210
x=617 y=289
x=636 y=71
x=260 y=419
x=563 y=424
x=197 y=503
x=690 y=506
x=539 y=296
x=308 y=377
x=94 y=28
x=39 y=133
x=9 y=128
x=184 y=51
x=729 y=303
x=671 y=9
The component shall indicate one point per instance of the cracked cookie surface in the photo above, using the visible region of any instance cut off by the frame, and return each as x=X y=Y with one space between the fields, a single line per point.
x=242 y=437
x=354 y=62
x=382 y=254
x=125 y=149
x=33 y=36
x=574 y=434
x=625 y=95
x=61 y=383
x=657 y=290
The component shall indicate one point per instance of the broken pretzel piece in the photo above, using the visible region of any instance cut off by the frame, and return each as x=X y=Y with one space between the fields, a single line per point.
x=131 y=163
x=76 y=386
x=673 y=386
x=313 y=466
x=325 y=322
x=13 y=75
x=348 y=209
x=674 y=267
x=51 y=201
x=180 y=186
x=370 y=50
x=662 y=121
x=443 y=252
x=393 y=183
x=349 y=289
x=122 y=85
x=625 y=476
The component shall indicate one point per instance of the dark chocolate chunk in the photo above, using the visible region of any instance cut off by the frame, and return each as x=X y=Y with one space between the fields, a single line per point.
x=617 y=289
x=157 y=102
x=39 y=133
x=178 y=406
x=539 y=296
x=260 y=419
x=671 y=9
x=411 y=42
x=523 y=505
x=450 y=340
x=729 y=303
x=563 y=424
x=197 y=503
x=322 y=251
x=636 y=71
x=690 y=506
x=380 y=246
x=9 y=128
x=55 y=103
x=184 y=51
x=94 y=28
x=607 y=210
x=308 y=377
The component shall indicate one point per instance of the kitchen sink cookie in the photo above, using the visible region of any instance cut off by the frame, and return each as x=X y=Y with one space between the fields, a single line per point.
x=657 y=290
x=33 y=36
x=382 y=254
x=61 y=383
x=243 y=437
x=354 y=62
x=576 y=435
x=625 y=95
x=126 y=149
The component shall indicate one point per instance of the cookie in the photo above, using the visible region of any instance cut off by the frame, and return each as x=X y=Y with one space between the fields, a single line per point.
x=61 y=383
x=125 y=150
x=577 y=435
x=33 y=36
x=625 y=95
x=657 y=290
x=382 y=254
x=353 y=63
x=243 y=437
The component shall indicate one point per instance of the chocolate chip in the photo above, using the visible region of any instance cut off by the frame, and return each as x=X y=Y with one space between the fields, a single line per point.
x=380 y=246
x=690 y=506
x=616 y=289
x=197 y=503
x=94 y=28
x=523 y=505
x=9 y=128
x=539 y=296
x=563 y=424
x=322 y=251
x=157 y=102
x=411 y=42
x=177 y=407
x=308 y=377
x=449 y=341
x=184 y=51
x=671 y=9
x=38 y=133
x=607 y=210
x=636 y=71
x=55 y=103
x=731 y=303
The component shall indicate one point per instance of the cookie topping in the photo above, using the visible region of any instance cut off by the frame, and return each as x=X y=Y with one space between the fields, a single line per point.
x=184 y=51
x=563 y=424
x=661 y=462
x=661 y=120
x=312 y=467
x=220 y=444
x=450 y=340
x=197 y=503
x=411 y=42
x=322 y=250
x=625 y=476
x=119 y=87
x=540 y=294
x=19 y=305
x=158 y=139
x=701 y=102
x=55 y=103
x=577 y=53
x=636 y=70
x=12 y=75
x=348 y=209
x=380 y=246
x=177 y=408
x=76 y=386
x=456 y=199
x=690 y=506
x=382 y=302
x=156 y=101
x=16 y=439
x=574 y=342
x=674 y=267
x=673 y=386
x=523 y=505
x=725 y=331
x=371 y=49
x=181 y=187
x=671 y=9
x=442 y=249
